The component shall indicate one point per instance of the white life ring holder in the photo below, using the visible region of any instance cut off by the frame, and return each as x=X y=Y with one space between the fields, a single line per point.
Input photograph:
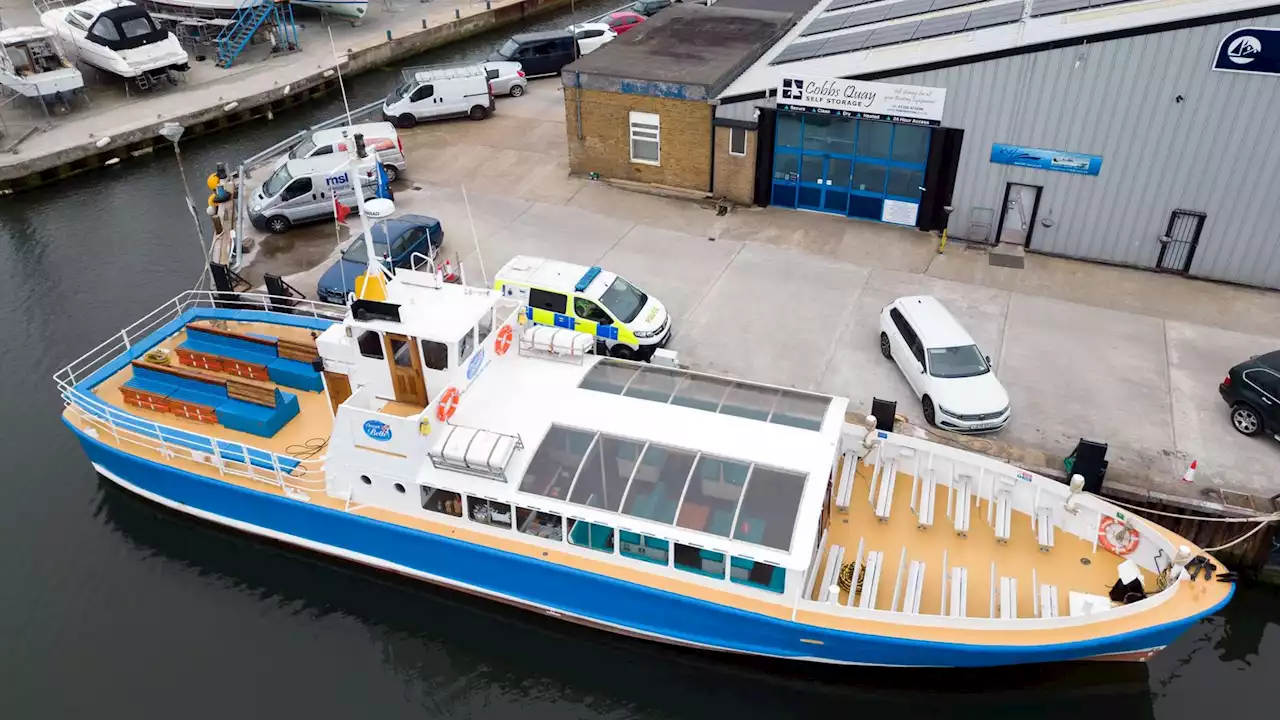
x=1118 y=537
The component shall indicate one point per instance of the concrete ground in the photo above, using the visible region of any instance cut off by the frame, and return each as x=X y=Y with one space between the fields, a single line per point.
x=1126 y=357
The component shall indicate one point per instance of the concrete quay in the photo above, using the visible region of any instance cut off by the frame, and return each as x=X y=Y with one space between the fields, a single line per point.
x=1121 y=356
x=213 y=98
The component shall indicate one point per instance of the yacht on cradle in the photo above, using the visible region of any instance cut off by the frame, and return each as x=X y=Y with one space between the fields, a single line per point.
x=432 y=431
x=116 y=36
x=352 y=9
x=34 y=66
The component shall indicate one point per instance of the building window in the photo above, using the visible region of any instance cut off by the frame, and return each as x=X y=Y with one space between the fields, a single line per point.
x=435 y=356
x=445 y=502
x=370 y=344
x=489 y=512
x=541 y=524
x=737 y=141
x=644 y=139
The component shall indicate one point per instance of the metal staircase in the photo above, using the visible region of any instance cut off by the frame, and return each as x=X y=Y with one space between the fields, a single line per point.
x=249 y=18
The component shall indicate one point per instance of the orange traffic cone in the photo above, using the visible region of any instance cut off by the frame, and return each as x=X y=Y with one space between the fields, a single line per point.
x=1190 y=474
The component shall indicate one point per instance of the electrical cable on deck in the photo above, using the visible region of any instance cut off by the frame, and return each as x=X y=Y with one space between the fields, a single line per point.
x=308 y=449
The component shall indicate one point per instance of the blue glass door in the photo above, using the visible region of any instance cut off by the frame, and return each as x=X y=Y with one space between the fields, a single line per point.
x=813 y=177
x=835 y=198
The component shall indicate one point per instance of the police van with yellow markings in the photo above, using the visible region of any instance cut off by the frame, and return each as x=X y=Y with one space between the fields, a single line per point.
x=626 y=321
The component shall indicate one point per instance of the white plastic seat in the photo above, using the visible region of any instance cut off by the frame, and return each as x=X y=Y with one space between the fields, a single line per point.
x=844 y=489
x=1008 y=598
x=1048 y=601
x=835 y=558
x=1044 y=528
x=958 y=607
x=1004 y=509
x=884 y=498
x=924 y=505
x=963 y=504
x=871 y=580
x=915 y=588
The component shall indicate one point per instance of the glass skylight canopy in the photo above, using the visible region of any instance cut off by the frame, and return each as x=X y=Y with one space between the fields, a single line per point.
x=672 y=486
x=705 y=392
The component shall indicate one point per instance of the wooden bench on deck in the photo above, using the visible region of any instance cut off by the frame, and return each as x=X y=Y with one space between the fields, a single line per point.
x=258 y=357
x=204 y=397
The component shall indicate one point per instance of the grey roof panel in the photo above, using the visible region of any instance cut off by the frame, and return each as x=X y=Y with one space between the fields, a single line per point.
x=998 y=15
x=869 y=15
x=907 y=8
x=798 y=51
x=1052 y=7
x=826 y=24
x=933 y=27
x=891 y=34
x=848 y=42
x=948 y=4
x=842 y=4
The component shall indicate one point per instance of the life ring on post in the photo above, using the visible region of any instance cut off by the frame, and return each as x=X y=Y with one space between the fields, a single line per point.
x=503 y=343
x=448 y=404
x=1117 y=537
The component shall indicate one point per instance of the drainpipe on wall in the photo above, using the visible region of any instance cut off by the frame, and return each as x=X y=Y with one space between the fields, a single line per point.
x=711 y=180
x=577 y=98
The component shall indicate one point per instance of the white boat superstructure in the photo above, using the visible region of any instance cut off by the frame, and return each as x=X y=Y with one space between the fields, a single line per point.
x=33 y=65
x=116 y=36
x=354 y=9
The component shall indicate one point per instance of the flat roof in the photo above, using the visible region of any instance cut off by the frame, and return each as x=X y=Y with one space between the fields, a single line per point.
x=687 y=45
x=874 y=38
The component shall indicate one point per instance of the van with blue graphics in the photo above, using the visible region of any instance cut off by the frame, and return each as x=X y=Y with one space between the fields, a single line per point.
x=303 y=190
x=627 y=322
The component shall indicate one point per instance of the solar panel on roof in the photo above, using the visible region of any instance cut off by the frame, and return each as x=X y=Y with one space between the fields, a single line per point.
x=825 y=24
x=798 y=51
x=890 y=34
x=998 y=15
x=844 y=43
x=948 y=4
x=842 y=4
x=933 y=27
x=1051 y=7
x=862 y=17
x=907 y=8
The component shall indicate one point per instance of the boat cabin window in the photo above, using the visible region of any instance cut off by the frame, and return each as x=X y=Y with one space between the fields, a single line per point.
x=591 y=535
x=466 y=345
x=757 y=574
x=699 y=560
x=105 y=29
x=435 y=355
x=658 y=483
x=445 y=502
x=541 y=524
x=602 y=479
x=74 y=20
x=644 y=547
x=553 y=466
x=489 y=512
x=767 y=515
x=370 y=343
x=712 y=496
x=485 y=327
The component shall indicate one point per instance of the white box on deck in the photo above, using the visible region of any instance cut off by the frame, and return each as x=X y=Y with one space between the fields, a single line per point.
x=663 y=357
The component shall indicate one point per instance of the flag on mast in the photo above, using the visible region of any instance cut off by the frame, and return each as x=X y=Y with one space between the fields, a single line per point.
x=384 y=183
x=340 y=211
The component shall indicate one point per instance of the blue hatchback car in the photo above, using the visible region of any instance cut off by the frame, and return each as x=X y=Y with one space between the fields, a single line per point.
x=396 y=239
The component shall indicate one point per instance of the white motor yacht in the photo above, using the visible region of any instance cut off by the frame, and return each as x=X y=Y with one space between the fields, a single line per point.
x=34 y=66
x=116 y=36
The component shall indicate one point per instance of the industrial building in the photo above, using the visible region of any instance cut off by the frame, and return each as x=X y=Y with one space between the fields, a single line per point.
x=1139 y=133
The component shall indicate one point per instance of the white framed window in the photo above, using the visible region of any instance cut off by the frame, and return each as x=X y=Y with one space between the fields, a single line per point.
x=737 y=141
x=645 y=143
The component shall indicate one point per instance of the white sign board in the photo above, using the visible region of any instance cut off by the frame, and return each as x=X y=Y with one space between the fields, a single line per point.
x=899 y=213
x=914 y=104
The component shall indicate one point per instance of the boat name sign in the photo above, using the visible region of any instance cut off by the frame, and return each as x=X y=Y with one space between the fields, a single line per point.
x=377 y=430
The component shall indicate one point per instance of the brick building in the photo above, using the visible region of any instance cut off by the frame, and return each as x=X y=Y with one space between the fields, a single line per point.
x=639 y=108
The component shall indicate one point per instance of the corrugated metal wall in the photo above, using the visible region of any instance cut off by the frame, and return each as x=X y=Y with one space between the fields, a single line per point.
x=1217 y=151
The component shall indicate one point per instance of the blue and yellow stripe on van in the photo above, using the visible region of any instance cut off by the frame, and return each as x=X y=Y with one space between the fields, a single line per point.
x=569 y=322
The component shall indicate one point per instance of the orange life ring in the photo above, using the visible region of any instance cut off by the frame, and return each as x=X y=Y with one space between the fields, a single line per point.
x=1117 y=537
x=503 y=343
x=448 y=404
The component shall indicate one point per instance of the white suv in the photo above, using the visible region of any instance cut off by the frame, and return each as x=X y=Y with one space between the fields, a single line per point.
x=945 y=368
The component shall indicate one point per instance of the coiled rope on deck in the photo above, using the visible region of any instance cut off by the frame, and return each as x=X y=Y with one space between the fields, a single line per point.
x=846 y=577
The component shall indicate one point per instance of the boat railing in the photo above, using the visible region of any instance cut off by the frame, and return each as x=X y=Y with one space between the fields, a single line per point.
x=304 y=471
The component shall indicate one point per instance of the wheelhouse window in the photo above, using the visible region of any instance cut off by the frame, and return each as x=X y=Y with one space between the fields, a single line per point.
x=485 y=327
x=370 y=343
x=466 y=344
x=435 y=355
x=591 y=535
x=445 y=502
x=489 y=512
x=540 y=524
x=645 y=142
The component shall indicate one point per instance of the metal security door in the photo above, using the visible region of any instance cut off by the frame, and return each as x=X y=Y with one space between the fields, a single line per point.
x=1178 y=245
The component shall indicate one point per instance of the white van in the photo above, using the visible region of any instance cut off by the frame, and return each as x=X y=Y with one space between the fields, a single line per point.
x=627 y=322
x=379 y=137
x=443 y=93
x=302 y=191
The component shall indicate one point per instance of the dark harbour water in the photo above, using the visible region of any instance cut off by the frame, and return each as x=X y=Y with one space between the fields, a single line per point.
x=113 y=608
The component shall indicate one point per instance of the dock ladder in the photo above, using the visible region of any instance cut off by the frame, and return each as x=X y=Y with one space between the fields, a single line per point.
x=248 y=19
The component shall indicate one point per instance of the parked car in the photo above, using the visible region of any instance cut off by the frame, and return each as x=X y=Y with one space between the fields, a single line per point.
x=539 y=53
x=395 y=239
x=379 y=137
x=953 y=378
x=648 y=8
x=506 y=78
x=591 y=35
x=624 y=20
x=441 y=93
x=1252 y=390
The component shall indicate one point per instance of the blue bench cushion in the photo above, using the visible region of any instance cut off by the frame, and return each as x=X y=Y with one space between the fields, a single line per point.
x=184 y=389
x=295 y=374
x=232 y=347
x=260 y=355
x=258 y=419
x=150 y=385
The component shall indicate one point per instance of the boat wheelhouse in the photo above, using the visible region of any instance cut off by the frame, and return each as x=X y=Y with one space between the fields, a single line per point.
x=432 y=433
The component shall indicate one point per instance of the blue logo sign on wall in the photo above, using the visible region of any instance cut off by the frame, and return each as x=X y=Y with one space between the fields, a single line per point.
x=1250 y=50
x=377 y=430
x=473 y=367
x=1058 y=160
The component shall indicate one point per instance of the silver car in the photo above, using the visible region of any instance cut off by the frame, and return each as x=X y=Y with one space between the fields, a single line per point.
x=507 y=78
